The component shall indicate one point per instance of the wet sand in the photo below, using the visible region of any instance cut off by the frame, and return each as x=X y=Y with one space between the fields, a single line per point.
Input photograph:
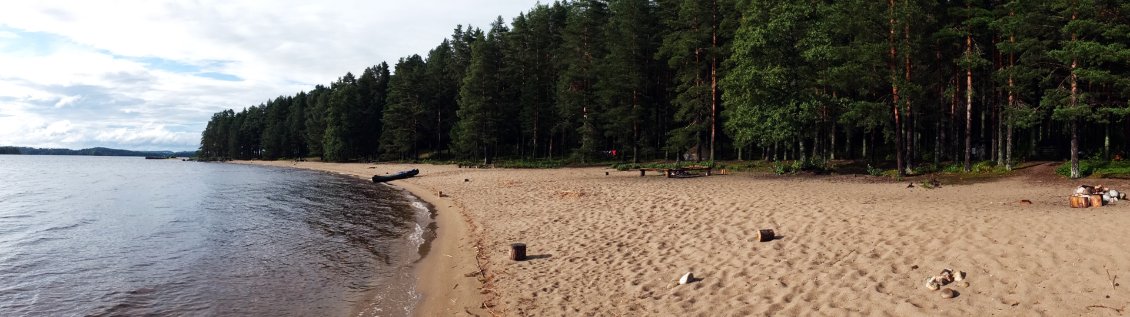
x=616 y=244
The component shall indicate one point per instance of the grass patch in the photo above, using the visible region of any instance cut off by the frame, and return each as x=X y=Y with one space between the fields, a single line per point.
x=1097 y=168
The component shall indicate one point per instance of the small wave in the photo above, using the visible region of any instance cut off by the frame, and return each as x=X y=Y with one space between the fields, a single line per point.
x=417 y=236
x=20 y=216
x=63 y=227
x=36 y=241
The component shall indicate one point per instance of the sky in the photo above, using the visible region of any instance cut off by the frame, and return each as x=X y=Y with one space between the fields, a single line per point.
x=148 y=75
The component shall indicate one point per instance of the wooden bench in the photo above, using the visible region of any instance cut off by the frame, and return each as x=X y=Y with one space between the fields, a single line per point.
x=678 y=171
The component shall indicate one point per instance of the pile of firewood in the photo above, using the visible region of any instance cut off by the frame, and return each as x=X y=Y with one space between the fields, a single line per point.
x=1094 y=196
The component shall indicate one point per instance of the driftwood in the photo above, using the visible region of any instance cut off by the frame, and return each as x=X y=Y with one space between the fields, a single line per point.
x=396 y=176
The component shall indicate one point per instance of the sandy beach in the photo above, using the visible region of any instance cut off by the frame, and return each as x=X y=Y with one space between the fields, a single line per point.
x=616 y=244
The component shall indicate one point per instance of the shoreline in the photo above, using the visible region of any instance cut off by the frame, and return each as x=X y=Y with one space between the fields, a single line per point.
x=441 y=274
x=443 y=277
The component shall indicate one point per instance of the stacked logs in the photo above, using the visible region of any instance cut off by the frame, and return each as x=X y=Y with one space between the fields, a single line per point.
x=1094 y=196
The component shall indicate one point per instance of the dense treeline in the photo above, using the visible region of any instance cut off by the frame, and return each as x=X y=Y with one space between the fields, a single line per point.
x=914 y=82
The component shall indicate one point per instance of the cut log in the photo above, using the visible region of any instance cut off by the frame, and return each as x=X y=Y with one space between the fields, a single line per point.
x=1096 y=200
x=765 y=235
x=518 y=251
x=1079 y=201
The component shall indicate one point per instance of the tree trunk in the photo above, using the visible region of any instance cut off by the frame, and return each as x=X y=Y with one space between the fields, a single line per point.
x=802 y=155
x=1000 y=136
x=1008 y=148
x=832 y=146
x=537 y=117
x=1106 y=142
x=1075 y=173
x=863 y=154
x=635 y=127
x=713 y=77
x=938 y=143
x=1011 y=99
x=899 y=164
x=982 y=138
x=1074 y=121
x=969 y=106
x=909 y=139
x=995 y=145
x=955 y=143
x=939 y=128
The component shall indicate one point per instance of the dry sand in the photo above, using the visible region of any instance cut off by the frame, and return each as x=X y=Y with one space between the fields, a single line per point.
x=615 y=245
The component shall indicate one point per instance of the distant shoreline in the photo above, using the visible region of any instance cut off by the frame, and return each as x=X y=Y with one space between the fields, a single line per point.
x=95 y=151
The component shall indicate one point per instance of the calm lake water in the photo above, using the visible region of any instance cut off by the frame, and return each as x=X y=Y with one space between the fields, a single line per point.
x=127 y=236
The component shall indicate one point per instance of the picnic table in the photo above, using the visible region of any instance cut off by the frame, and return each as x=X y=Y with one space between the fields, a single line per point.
x=678 y=171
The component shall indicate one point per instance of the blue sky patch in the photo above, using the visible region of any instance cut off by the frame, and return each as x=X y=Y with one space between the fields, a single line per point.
x=165 y=64
x=32 y=43
x=219 y=76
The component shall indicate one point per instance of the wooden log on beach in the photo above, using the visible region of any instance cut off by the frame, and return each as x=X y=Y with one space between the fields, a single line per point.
x=765 y=235
x=1080 y=201
x=518 y=251
x=1096 y=200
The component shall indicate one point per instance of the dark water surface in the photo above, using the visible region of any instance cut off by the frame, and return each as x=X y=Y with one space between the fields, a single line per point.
x=128 y=236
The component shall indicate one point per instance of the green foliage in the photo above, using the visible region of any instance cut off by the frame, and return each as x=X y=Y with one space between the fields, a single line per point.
x=874 y=171
x=372 y=89
x=1086 y=168
x=477 y=129
x=924 y=169
x=342 y=121
x=653 y=80
x=1098 y=168
x=797 y=166
x=622 y=83
x=984 y=167
x=1113 y=169
x=533 y=49
x=405 y=114
x=954 y=168
x=695 y=47
x=577 y=106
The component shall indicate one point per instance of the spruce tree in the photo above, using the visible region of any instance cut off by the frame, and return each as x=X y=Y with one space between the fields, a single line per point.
x=583 y=47
x=405 y=114
x=476 y=133
x=623 y=82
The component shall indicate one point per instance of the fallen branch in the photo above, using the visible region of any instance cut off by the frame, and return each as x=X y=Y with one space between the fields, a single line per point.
x=1119 y=310
x=1112 y=283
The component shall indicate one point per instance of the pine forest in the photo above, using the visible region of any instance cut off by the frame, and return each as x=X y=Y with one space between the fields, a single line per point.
x=898 y=83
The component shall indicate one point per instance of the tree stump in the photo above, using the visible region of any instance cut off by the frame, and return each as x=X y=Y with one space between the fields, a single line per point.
x=765 y=235
x=1080 y=201
x=1096 y=200
x=518 y=251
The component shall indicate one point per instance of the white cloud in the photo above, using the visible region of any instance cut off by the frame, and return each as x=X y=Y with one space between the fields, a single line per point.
x=67 y=100
x=100 y=67
x=146 y=135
